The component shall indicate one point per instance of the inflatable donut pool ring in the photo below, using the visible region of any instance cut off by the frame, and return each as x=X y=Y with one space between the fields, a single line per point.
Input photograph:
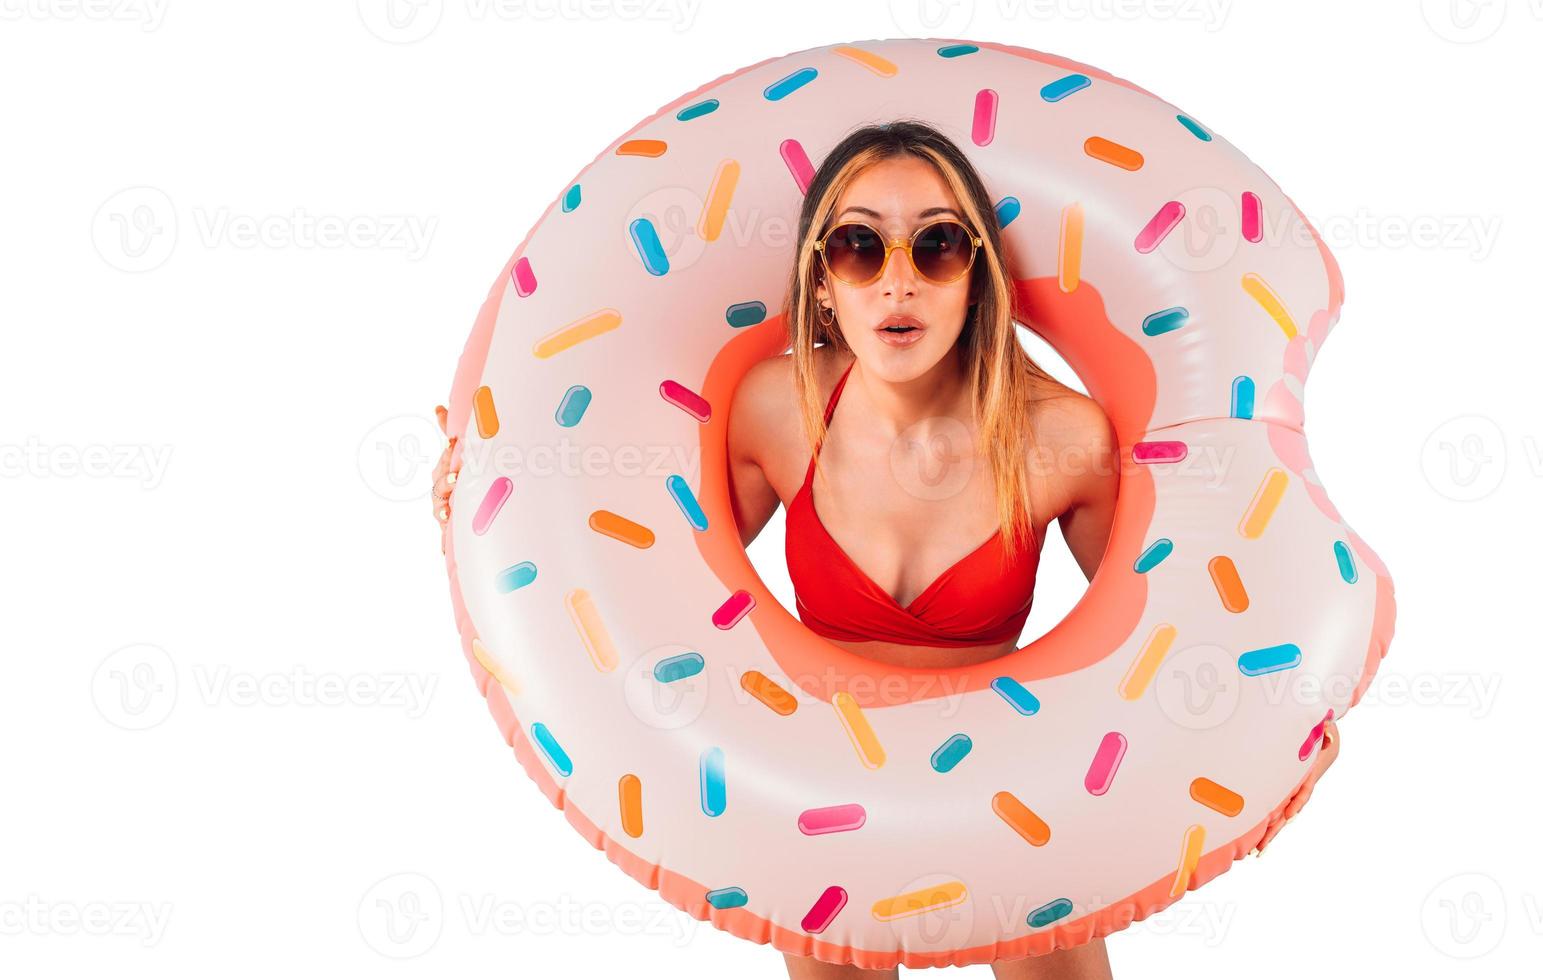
x=772 y=783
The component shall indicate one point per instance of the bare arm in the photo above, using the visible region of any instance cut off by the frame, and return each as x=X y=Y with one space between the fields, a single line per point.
x=752 y=430
x=1088 y=466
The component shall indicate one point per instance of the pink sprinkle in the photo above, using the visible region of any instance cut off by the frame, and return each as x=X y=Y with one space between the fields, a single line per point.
x=524 y=278
x=686 y=400
x=798 y=164
x=1314 y=737
x=492 y=503
x=825 y=908
x=1158 y=452
x=1165 y=220
x=832 y=819
x=985 y=117
x=733 y=609
x=1253 y=217
x=1106 y=762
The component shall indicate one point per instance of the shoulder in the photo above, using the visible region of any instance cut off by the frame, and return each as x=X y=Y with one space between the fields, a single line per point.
x=763 y=413
x=1076 y=445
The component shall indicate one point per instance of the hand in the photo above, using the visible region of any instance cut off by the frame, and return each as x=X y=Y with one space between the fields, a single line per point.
x=444 y=481
x=1326 y=756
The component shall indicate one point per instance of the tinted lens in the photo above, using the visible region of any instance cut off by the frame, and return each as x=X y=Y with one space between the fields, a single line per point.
x=942 y=251
x=854 y=253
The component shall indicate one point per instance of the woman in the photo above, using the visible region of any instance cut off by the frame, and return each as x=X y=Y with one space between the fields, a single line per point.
x=953 y=450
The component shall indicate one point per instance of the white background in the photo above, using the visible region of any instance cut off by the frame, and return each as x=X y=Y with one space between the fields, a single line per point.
x=217 y=434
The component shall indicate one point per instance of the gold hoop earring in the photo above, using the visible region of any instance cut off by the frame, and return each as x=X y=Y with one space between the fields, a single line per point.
x=827 y=320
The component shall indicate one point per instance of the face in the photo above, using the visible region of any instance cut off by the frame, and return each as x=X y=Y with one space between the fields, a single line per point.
x=897 y=197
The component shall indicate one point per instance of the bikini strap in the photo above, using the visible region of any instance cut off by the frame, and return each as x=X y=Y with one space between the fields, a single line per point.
x=830 y=410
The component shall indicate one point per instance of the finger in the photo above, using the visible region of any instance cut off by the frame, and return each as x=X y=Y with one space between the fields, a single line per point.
x=442 y=416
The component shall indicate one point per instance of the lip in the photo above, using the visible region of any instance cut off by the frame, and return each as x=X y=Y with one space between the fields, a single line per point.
x=899 y=338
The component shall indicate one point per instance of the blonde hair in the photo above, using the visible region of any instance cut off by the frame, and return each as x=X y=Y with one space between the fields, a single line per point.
x=1001 y=373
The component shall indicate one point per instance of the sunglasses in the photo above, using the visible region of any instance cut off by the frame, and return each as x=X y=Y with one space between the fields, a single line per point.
x=856 y=253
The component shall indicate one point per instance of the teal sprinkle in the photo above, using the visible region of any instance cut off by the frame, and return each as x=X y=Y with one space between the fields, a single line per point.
x=695 y=111
x=1050 y=912
x=1154 y=555
x=957 y=50
x=516 y=577
x=728 y=898
x=1194 y=127
x=571 y=199
x=1242 y=397
x=1346 y=562
x=1164 y=321
x=746 y=314
x=786 y=86
x=1007 y=209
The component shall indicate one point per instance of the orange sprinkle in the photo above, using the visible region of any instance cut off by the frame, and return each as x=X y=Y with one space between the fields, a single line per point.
x=1026 y=822
x=577 y=332
x=586 y=619
x=870 y=752
x=1271 y=489
x=630 y=790
x=618 y=527
x=1229 y=585
x=882 y=67
x=1144 y=667
x=945 y=895
x=1113 y=153
x=1069 y=266
x=1216 y=796
x=710 y=224
x=642 y=148
x=768 y=692
x=1189 y=857
x=487 y=415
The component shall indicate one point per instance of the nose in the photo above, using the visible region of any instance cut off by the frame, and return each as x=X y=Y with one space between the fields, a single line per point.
x=899 y=278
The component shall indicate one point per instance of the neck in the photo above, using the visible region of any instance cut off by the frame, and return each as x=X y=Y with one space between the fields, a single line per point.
x=895 y=406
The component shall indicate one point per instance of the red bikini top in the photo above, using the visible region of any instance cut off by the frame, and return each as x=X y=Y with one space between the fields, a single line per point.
x=977 y=600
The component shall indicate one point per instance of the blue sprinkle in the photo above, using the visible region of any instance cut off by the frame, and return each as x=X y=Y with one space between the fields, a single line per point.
x=950 y=752
x=686 y=501
x=1242 y=397
x=571 y=199
x=700 y=109
x=1194 y=127
x=646 y=239
x=1008 y=208
x=678 y=668
x=571 y=408
x=784 y=87
x=1267 y=660
x=1164 y=321
x=957 y=50
x=1346 y=562
x=1050 y=912
x=746 y=314
x=1154 y=555
x=715 y=797
x=1062 y=87
x=1016 y=695
x=516 y=577
x=555 y=756
x=728 y=898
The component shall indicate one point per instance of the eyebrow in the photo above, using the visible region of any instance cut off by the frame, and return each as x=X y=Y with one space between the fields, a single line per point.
x=925 y=213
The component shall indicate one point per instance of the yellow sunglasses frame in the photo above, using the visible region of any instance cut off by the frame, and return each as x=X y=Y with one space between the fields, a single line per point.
x=890 y=245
